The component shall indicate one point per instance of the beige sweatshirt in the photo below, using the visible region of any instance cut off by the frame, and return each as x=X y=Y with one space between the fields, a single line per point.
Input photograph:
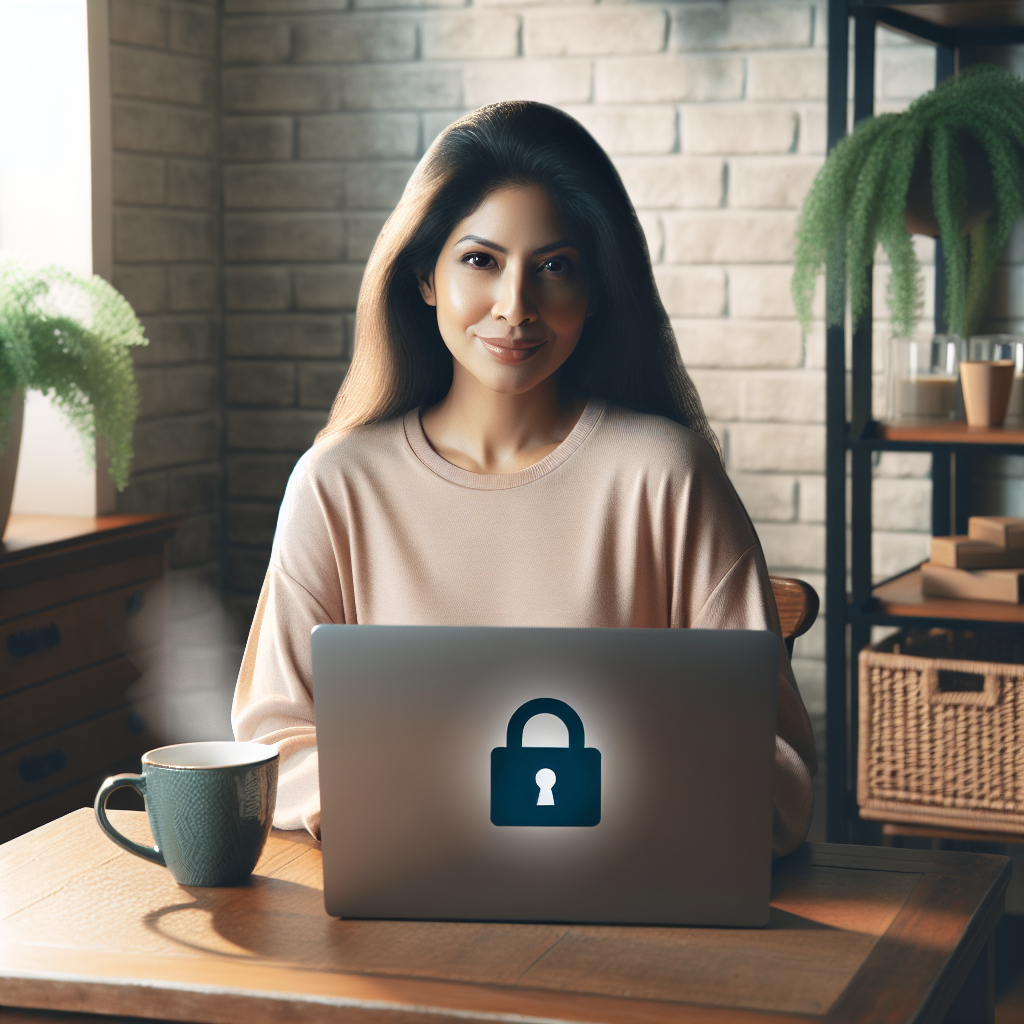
x=631 y=521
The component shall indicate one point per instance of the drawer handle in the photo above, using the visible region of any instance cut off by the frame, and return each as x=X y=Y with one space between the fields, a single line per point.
x=32 y=641
x=35 y=769
x=135 y=602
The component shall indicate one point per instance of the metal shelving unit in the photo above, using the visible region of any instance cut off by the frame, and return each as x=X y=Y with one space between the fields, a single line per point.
x=955 y=29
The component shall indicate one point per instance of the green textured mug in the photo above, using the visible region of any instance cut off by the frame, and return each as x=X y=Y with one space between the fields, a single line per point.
x=210 y=808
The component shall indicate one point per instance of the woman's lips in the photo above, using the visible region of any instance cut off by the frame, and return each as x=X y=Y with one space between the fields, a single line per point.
x=511 y=352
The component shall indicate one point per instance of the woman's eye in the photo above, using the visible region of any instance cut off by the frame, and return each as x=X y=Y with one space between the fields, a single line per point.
x=557 y=265
x=479 y=259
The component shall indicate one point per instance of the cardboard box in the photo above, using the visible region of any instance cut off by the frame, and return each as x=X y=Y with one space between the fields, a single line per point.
x=1005 y=585
x=966 y=553
x=1003 y=531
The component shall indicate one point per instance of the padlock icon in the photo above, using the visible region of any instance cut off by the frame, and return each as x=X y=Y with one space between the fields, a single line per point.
x=545 y=785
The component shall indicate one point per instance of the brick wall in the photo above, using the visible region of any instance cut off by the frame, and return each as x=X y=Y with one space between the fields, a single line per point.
x=165 y=126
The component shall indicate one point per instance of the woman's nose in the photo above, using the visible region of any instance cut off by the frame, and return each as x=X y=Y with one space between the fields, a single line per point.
x=514 y=305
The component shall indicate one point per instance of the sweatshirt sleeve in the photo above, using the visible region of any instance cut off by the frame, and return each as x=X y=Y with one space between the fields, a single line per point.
x=744 y=600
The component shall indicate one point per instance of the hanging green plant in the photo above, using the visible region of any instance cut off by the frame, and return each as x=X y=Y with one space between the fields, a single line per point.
x=70 y=337
x=951 y=165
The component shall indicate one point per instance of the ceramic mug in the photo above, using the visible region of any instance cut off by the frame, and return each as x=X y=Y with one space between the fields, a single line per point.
x=210 y=808
x=986 y=386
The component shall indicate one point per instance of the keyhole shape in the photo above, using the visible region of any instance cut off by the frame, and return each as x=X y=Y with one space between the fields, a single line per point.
x=545 y=779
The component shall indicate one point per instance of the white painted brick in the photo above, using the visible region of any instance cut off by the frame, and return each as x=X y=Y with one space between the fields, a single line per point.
x=814 y=341
x=771 y=182
x=740 y=27
x=650 y=222
x=892 y=553
x=901 y=504
x=719 y=392
x=255 y=41
x=779 y=447
x=735 y=128
x=763 y=291
x=416 y=87
x=548 y=81
x=905 y=72
x=767 y=496
x=905 y=465
x=813 y=130
x=412 y=4
x=786 y=76
x=346 y=37
x=666 y=78
x=435 y=121
x=789 y=397
x=691 y=291
x=793 y=545
x=739 y=344
x=725 y=236
x=599 y=31
x=812 y=643
x=673 y=181
x=470 y=35
x=810 y=680
x=812 y=499
x=329 y=287
x=531 y=3
x=282 y=6
x=649 y=129
x=358 y=136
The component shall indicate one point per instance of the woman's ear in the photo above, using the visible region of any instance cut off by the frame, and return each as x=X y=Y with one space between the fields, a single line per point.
x=426 y=283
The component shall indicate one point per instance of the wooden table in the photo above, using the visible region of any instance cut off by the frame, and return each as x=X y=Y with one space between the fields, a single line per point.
x=856 y=934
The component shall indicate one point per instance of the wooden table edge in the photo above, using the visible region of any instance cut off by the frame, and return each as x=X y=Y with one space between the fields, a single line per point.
x=134 y=525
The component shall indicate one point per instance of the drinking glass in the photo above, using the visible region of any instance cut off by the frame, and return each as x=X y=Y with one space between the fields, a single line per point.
x=923 y=377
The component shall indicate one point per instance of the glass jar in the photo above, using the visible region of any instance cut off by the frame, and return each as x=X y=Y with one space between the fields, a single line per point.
x=924 y=377
x=1005 y=346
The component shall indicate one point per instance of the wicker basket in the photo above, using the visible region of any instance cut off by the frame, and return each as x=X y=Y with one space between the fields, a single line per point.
x=942 y=730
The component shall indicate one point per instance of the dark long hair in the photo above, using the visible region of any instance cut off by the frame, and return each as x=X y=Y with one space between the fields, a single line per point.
x=626 y=354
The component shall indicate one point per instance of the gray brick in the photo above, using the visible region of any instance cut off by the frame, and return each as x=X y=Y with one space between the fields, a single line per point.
x=283 y=6
x=739 y=128
x=291 y=335
x=176 y=390
x=257 y=138
x=251 y=288
x=418 y=87
x=746 y=27
x=435 y=122
x=297 y=186
x=140 y=180
x=255 y=41
x=258 y=476
x=155 y=128
x=193 y=288
x=146 y=492
x=191 y=183
x=195 y=542
x=259 y=382
x=332 y=287
x=250 y=523
x=176 y=441
x=245 y=568
x=673 y=181
x=630 y=129
x=251 y=237
x=376 y=186
x=363 y=229
x=275 y=430
x=729 y=237
x=565 y=32
x=355 y=136
x=470 y=35
x=176 y=339
x=140 y=22
x=144 y=287
x=777 y=182
x=347 y=38
x=193 y=30
x=319 y=383
x=147 y=74
x=667 y=78
x=196 y=489
x=284 y=90
x=141 y=235
x=548 y=81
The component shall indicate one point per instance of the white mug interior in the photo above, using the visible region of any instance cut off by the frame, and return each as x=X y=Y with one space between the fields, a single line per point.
x=210 y=754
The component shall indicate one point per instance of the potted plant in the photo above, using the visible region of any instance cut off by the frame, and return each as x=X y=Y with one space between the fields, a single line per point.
x=69 y=337
x=951 y=165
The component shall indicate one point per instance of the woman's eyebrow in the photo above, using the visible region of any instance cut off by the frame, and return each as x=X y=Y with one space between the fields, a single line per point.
x=482 y=241
x=562 y=243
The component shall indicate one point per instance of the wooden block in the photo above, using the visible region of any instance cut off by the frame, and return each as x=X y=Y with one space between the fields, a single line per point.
x=967 y=553
x=1006 y=585
x=1003 y=531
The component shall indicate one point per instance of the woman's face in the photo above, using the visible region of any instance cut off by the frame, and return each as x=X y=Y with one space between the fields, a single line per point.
x=510 y=287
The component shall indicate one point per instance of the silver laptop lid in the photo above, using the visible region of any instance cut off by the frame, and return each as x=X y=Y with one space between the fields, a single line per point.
x=448 y=790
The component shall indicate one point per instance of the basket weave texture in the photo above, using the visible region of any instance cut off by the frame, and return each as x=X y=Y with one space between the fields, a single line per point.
x=932 y=752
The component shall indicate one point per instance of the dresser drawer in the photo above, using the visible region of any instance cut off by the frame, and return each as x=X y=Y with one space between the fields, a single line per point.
x=70 y=636
x=58 y=703
x=36 y=769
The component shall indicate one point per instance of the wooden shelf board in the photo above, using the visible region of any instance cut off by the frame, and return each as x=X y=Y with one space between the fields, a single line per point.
x=902 y=596
x=959 y=835
x=973 y=14
x=951 y=432
x=33 y=535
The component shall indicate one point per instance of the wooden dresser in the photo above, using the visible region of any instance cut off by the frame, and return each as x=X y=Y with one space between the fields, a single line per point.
x=70 y=589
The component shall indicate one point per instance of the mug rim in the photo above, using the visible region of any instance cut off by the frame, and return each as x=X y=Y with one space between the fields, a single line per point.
x=241 y=762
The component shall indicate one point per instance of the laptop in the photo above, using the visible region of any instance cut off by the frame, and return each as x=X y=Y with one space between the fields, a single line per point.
x=546 y=775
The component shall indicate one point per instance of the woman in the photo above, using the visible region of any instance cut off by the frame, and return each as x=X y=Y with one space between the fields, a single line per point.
x=516 y=443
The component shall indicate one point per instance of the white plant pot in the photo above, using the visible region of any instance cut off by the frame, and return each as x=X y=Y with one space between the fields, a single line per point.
x=9 y=458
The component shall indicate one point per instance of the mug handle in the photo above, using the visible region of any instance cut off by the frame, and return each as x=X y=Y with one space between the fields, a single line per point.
x=138 y=783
